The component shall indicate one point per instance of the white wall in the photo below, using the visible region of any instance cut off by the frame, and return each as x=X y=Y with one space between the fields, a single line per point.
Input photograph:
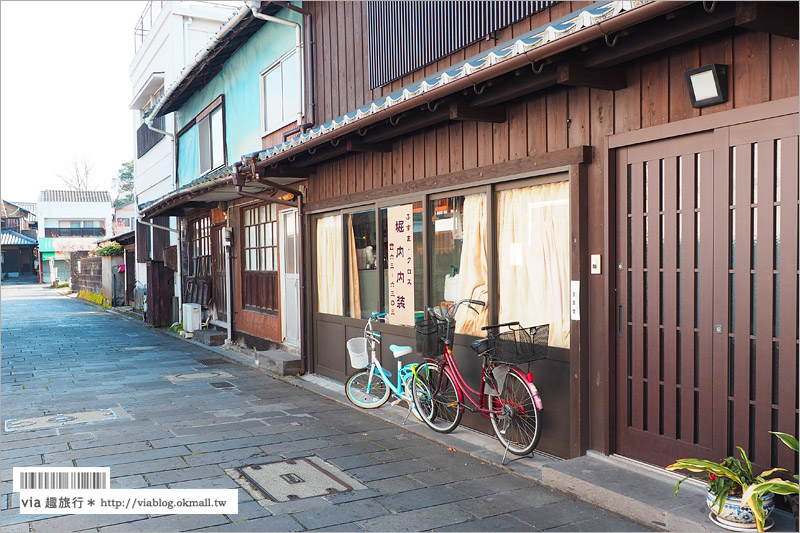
x=50 y=212
x=179 y=32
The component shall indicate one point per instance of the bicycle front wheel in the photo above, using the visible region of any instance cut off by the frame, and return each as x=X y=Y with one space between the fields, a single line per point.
x=365 y=390
x=437 y=398
x=514 y=416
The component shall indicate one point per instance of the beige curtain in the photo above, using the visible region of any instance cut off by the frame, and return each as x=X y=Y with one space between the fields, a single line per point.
x=354 y=289
x=534 y=258
x=473 y=268
x=329 y=265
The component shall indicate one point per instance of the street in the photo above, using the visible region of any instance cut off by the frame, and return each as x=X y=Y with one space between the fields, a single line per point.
x=173 y=429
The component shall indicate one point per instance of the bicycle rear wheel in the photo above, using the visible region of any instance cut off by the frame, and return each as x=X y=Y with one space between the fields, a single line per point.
x=365 y=391
x=437 y=398
x=517 y=426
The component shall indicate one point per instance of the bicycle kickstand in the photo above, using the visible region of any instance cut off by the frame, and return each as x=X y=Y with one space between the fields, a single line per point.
x=503 y=462
x=410 y=406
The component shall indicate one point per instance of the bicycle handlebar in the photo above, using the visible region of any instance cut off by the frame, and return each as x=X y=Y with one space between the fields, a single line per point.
x=493 y=326
x=452 y=312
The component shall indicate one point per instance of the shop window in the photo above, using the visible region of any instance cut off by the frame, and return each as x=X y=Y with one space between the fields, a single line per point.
x=360 y=261
x=459 y=258
x=533 y=263
x=328 y=233
x=261 y=291
x=403 y=288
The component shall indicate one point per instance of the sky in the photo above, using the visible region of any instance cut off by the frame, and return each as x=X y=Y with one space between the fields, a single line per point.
x=64 y=92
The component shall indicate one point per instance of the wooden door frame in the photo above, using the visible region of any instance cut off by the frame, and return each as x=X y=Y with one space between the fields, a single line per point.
x=613 y=143
x=282 y=269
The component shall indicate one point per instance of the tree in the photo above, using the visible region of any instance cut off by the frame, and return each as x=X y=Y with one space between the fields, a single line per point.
x=77 y=176
x=123 y=183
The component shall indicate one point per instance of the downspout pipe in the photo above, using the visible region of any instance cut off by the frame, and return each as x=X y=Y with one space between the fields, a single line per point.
x=298 y=39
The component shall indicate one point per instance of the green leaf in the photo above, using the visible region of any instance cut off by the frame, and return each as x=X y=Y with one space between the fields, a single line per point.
x=787 y=439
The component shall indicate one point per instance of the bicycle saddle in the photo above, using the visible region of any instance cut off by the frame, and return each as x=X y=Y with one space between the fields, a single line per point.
x=399 y=351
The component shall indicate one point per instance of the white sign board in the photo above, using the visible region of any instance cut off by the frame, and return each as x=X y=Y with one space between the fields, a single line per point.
x=401 y=264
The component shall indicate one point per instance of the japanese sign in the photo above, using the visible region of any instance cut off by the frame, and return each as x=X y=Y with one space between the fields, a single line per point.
x=401 y=264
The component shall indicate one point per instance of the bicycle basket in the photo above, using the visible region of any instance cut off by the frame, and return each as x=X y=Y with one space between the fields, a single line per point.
x=428 y=342
x=519 y=346
x=359 y=353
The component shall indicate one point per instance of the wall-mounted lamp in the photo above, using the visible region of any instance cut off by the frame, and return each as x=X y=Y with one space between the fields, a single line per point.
x=708 y=85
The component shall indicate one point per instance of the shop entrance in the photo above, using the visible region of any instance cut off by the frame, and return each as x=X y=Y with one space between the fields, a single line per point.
x=707 y=293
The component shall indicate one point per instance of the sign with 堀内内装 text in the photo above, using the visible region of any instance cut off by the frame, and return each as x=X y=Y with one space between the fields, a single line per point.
x=400 y=255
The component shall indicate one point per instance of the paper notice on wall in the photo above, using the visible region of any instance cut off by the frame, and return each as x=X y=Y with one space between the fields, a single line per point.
x=401 y=264
x=515 y=254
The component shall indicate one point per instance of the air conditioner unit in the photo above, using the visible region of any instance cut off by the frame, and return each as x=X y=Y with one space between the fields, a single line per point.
x=192 y=317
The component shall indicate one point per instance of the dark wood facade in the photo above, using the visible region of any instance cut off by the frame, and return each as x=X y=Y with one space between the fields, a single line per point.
x=552 y=126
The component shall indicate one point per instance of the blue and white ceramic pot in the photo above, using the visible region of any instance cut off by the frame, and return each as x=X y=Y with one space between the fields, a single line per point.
x=737 y=514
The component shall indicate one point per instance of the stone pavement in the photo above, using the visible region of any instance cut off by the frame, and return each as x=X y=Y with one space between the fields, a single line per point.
x=61 y=355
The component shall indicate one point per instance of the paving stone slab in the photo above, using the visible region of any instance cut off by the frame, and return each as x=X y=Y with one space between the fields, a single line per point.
x=493 y=523
x=340 y=514
x=417 y=520
x=421 y=498
x=81 y=522
x=267 y=524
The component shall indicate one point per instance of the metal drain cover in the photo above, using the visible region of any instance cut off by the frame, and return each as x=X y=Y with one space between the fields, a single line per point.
x=293 y=479
x=211 y=362
x=58 y=420
x=222 y=385
x=198 y=376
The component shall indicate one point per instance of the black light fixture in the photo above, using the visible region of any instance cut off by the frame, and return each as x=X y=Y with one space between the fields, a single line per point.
x=708 y=85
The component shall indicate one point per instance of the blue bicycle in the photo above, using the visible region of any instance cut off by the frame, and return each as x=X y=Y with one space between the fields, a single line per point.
x=371 y=386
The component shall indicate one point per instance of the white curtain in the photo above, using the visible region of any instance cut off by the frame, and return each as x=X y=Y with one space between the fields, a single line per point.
x=534 y=258
x=473 y=267
x=329 y=265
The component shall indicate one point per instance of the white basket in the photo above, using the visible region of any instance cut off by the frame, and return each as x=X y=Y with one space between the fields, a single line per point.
x=359 y=355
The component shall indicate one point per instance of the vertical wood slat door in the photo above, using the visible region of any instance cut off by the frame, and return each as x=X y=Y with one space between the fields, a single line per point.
x=665 y=385
x=762 y=296
x=707 y=290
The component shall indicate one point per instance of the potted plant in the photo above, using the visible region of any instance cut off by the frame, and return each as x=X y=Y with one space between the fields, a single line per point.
x=737 y=496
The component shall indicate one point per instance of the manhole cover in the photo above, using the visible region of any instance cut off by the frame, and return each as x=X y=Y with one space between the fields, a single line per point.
x=222 y=385
x=211 y=362
x=58 y=420
x=293 y=479
x=198 y=376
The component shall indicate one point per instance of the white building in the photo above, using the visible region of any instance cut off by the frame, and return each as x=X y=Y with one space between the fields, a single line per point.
x=69 y=221
x=124 y=218
x=168 y=35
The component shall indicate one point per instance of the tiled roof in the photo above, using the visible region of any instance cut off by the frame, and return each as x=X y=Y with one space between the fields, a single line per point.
x=74 y=196
x=578 y=20
x=203 y=182
x=12 y=238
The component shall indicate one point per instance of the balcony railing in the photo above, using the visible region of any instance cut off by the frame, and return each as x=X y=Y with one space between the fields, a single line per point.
x=74 y=232
x=147 y=138
x=145 y=24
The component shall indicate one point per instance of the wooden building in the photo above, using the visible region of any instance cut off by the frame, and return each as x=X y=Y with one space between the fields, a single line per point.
x=549 y=159
x=548 y=155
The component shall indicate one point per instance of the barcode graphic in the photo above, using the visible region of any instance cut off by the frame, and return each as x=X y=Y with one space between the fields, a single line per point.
x=61 y=478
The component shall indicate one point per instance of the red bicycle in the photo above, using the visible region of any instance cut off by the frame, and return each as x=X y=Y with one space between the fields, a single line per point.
x=507 y=395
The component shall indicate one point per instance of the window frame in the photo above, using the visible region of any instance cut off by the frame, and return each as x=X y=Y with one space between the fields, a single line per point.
x=265 y=279
x=217 y=103
x=265 y=127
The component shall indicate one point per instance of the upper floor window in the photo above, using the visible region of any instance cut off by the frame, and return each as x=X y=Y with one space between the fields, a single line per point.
x=280 y=93
x=211 y=141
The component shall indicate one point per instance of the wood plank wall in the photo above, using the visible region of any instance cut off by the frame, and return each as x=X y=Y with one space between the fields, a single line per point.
x=764 y=68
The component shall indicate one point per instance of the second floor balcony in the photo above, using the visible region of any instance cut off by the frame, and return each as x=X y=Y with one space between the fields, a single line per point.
x=74 y=232
x=147 y=138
